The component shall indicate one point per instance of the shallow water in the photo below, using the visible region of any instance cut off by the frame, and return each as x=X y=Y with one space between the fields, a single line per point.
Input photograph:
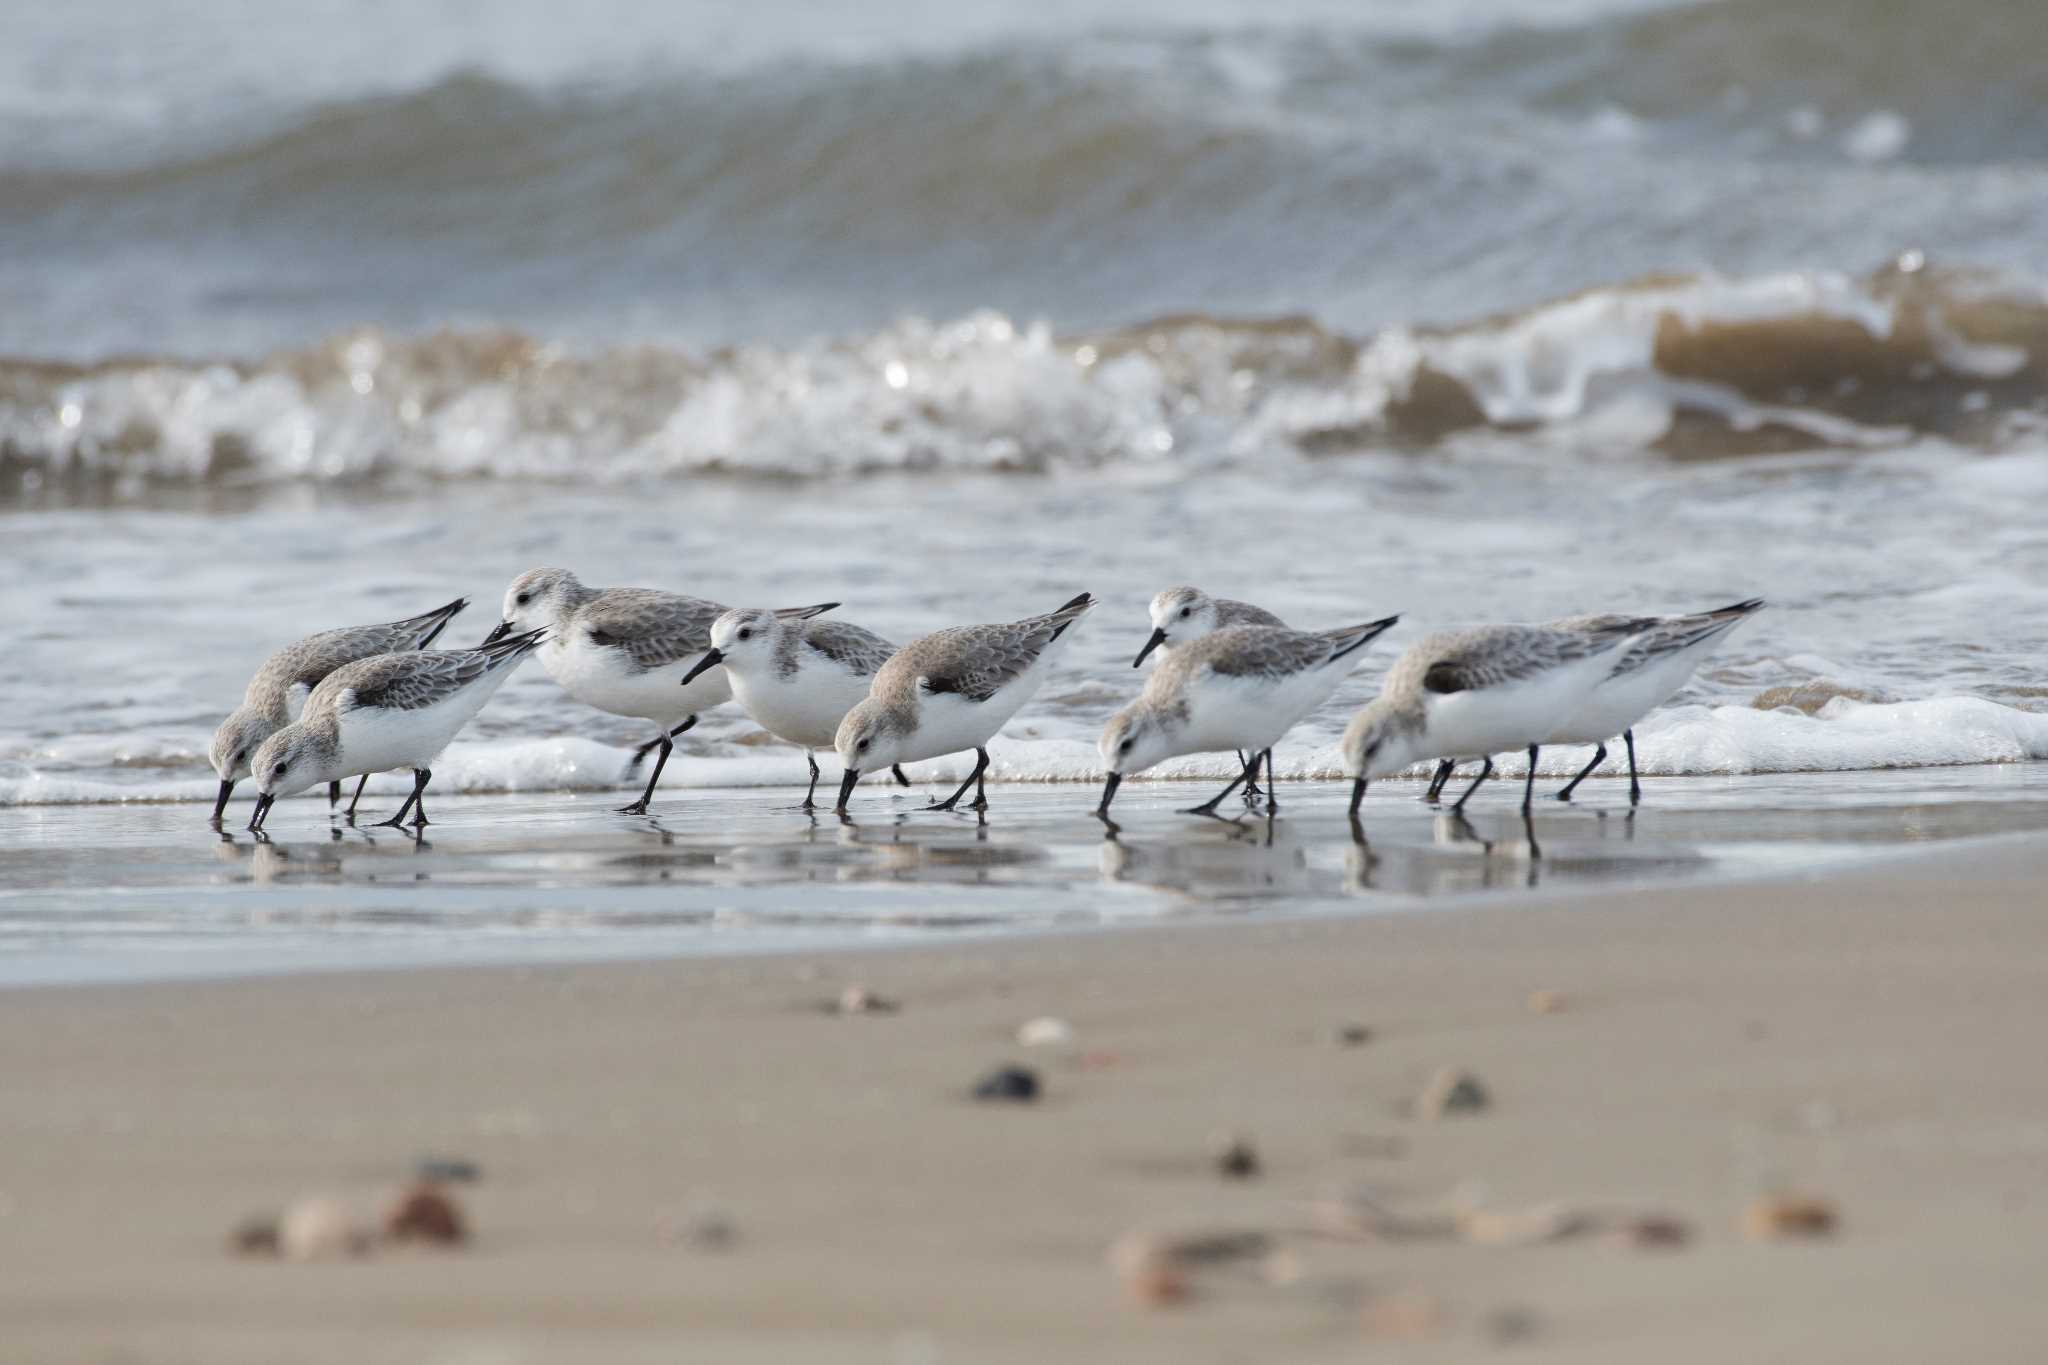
x=95 y=893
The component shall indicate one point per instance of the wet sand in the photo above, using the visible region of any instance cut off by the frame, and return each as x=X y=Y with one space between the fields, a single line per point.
x=1871 y=1038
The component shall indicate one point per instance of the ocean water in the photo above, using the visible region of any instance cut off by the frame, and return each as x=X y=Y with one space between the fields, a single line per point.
x=1481 y=310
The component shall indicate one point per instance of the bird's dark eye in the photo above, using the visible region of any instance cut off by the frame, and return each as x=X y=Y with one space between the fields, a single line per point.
x=746 y=634
x=523 y=598
x=1125 y=747
x=1186 y=612
x=240 y=754
x=278 y=771
x=862 y=746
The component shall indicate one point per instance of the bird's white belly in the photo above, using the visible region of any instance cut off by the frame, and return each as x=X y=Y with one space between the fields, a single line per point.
x=804 y=709
x=1488 y=720
x=1618 y=703
x=1253 y=714
x=377 y=739
x=948 y=722
x=606 y=679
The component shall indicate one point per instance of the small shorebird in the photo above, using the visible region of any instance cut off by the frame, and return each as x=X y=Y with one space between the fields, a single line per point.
x=622 y=650
x=948 y=691
x=795 y=677
x=1473 y=693
x=1649 y=674
x=1182 y=615
x=391 y=711
x=1241 y=688
x=277 y=694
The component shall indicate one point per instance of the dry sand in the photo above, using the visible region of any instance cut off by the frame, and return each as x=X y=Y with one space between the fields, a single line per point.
x=1873 y=1040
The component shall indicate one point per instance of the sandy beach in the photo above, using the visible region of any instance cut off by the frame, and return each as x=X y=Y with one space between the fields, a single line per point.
x=701 y=1159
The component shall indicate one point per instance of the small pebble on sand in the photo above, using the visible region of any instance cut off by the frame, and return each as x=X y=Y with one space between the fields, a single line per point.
x=1148 y=1270
x=861 y=1000
x=1016 y=1084
x=1788 y=1217
x=1451 y=1091
x=1547 y=1002
x=425 y=1213
x=1352 y=1035
x=1236 y=1158
x=447 y=1170
x=1652 y=1232
x=254 y=1237
x=320 y=1228
x=1045 y=1031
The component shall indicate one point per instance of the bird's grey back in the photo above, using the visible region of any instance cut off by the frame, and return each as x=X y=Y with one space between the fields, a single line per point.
x=1230 y=612
x=859 y=651
x=651 y=628
x=1269 y=652
x=1661 y=635
x=307 y=662
x=407 y=681
x=1493 y=656
x=974 y=661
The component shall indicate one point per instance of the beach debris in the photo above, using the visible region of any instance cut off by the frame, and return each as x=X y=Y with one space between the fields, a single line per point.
x=1352 y=1035
x=1157 y=1270
x=1451 y=1091
x=425 y=1212
x=1236 y=1159
x=1359 y=1215
x=320 y=1228
x=1650 y=1232
x=1406 y=1315
x=1521 y=1227
x=1099 y=1060
x=861 y=1000
x=447 y=1170
x=1788 y=1217
x=1149 y=1272
x=1548 y=1002
x=1016 y=1084
x=1044 y=1031
x=703 y=1229
x=254 y=1236
x=1511 y=1325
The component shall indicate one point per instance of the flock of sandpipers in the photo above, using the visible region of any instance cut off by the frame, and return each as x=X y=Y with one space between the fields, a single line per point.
x=365 y=699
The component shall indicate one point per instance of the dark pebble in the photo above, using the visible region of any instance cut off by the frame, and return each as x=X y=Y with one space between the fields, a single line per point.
x=254 y=1237
x=1015 y=1083
x=447 y=1170
x=1353 y=1035
x=1237 y=1161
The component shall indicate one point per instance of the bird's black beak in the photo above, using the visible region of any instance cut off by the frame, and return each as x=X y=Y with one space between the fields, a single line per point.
x=498 y=632
x=846 y=788
x=1357 y=795
x=1158 y=639
x=1109 y=793
x=262 y=811
x=220 y=803
x=712 y=659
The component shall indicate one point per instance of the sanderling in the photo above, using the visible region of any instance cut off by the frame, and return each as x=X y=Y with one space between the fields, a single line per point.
x=795 y=677
x=1240 y=688
x=1650 y=674
x=277 y=694
x=1474 y=693
x=951 y=690
x=622 y=650
x=1181 y=615
x=391 y=711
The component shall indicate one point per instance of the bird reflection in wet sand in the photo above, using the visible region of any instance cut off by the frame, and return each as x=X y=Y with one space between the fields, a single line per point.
x=1242 y=861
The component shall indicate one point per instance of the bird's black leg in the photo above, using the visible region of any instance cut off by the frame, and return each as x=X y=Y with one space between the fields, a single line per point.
x=419 y=782
x=1599 y=757
x=811 y=790
x=980 y=766
x=333 y=796
x=1251 y=788
x=981 y=784
x=1272 y=786
x=1436 y=784
x=1529 y=783
x=1209 y=807
x=901 y=780
x=651 y=745
x=1458 y=806
x=1635 y=787
x=420 y=778
x=667 y=746
x=361 y=783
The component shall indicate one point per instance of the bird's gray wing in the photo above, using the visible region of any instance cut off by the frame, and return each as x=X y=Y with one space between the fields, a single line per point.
x=650 y=628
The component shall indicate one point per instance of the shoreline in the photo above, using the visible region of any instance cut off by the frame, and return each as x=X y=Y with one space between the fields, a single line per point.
x=1864 y=1038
